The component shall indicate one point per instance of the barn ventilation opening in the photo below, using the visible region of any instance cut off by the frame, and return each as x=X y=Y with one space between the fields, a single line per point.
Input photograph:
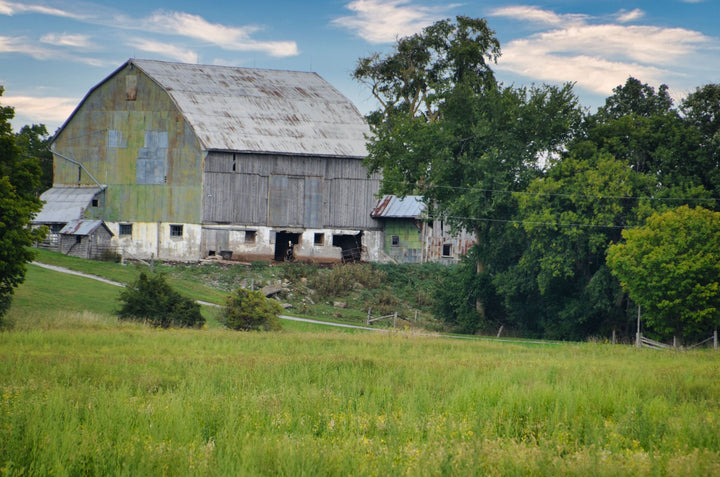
x=351 y=246
x=284 y=246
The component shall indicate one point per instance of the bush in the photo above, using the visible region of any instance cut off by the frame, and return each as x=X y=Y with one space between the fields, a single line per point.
x=151 y=299
x=250 y=310
x=342 y=279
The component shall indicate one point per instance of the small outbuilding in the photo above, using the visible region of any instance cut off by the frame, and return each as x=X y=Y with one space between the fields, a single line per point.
x=413 y=237
x=85 y=239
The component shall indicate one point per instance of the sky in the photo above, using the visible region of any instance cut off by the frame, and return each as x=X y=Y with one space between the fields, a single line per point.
x=53 y=52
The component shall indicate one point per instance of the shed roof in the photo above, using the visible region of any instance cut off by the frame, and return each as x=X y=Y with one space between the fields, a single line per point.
x=391 y=206
x=63 y=204
x=259 y=110
x=82 y=227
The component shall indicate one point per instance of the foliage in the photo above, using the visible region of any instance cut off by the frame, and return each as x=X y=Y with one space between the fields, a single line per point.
x=34 y=141
x=150 y=298
x=415 y=78
x=671 y=267
x=248 y=310
x=19 y=179
x=342 y=279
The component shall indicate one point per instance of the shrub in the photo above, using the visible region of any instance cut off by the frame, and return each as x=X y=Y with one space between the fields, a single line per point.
x=342 y=279
x=151 y=299
x=250 y=310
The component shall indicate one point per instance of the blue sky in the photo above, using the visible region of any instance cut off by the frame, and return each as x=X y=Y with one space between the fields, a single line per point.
x=53 y=52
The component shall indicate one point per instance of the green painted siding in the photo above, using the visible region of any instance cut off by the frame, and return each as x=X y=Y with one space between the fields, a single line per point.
x=142 y=149
x=409 y=246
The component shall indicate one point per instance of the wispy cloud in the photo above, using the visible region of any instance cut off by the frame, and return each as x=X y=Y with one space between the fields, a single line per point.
x=41 y=109
x=65 y=39
x=167 y=49
x=24 y=46
x=13 y=8
x=226 y=37
x=383 y=21
x=537 y=15
x=598 y=55
x=625 y=16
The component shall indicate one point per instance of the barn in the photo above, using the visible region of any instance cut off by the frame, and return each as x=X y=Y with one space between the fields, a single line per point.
x=187 y=161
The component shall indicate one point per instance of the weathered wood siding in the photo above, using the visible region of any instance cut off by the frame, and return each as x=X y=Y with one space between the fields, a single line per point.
x=288 y=191
x=130 y=136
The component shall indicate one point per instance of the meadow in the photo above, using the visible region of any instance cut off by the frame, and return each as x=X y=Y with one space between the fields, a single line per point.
x=91 y=396
x=84 y=394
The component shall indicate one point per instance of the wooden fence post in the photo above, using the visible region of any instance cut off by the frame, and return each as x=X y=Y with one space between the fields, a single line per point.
x=395 y=320
x=715 y=340
x=367 y=322
x=638 y=336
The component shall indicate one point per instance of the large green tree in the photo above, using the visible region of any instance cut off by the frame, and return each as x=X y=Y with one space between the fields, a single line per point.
x=467 y=142
x=671 y=268
x=19 y=180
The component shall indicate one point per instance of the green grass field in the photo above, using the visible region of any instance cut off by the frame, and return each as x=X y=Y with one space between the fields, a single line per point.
x=84 y=394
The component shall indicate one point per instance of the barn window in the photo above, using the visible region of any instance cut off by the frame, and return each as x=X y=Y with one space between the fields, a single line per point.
x=94 y=202
x=176 y=230
x=447 y=250
x=395 y=241
x=250 y=236
x=78 y=239
x=319 y=239
x=125 y=229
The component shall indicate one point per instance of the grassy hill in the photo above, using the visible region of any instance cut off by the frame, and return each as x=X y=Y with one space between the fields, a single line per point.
x=82 y=393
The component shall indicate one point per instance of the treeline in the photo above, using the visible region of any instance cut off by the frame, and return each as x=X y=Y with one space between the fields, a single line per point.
x=546 y=186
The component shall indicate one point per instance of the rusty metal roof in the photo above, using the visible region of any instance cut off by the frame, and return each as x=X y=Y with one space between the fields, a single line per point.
x=63 y=204
x=257 y=110
x=391 y=206
x=82 y=227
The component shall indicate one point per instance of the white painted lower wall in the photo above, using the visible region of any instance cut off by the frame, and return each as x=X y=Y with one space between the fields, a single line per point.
x=154 y=240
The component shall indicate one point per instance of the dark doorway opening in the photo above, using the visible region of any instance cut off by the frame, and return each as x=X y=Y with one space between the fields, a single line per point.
x=351 y=246
x=285 y=246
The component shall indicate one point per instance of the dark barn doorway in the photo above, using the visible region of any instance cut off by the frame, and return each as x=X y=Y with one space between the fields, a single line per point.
x=351 y=246
x=284 y=246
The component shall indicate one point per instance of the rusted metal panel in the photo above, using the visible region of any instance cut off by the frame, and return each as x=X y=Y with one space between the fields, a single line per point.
x=390 y=206
x=264 y=111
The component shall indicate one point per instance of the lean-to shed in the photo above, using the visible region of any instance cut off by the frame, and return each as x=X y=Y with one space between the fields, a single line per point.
x=85 y=239
x=410 y=236
x=190 y=161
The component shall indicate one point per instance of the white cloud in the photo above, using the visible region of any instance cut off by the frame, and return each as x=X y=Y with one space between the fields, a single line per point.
x=599 y=57
x=625 y=16
x=226 y=37
x=65 y=39
x=383 y=21
x=38 y=109
x=21 y=45
x=12 y=8
x=537 y=15
x=169 y=50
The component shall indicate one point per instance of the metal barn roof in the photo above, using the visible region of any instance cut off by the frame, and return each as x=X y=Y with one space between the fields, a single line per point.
x=391 y=206
x=82 y=227
x=256 y=110
x=63 y=204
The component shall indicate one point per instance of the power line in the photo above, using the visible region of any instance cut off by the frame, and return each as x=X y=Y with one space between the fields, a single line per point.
x=530 y=222
x=580 y=196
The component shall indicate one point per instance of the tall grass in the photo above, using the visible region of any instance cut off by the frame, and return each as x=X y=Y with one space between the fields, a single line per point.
x=108 y=399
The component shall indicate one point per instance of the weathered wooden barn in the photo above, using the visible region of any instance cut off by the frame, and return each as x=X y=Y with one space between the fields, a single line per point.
x=185 y=161
x=410 y=236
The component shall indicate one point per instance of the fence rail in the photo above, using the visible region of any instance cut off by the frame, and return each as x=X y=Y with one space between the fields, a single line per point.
x=643 y=342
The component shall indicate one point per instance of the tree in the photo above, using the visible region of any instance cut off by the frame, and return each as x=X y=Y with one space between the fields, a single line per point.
x=471 y=142
x=248 y=310
x=34 y=141
x=671 y=268
x=151 y=299
x=414 y=79
x=19 y=179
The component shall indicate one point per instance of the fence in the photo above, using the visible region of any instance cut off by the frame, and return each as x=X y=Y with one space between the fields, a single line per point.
x=643 y=342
